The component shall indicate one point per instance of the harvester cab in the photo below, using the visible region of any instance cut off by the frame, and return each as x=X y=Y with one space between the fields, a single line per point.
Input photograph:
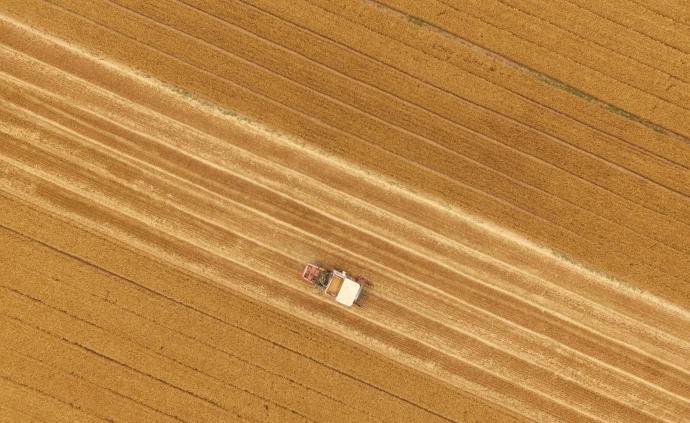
x=335 y=283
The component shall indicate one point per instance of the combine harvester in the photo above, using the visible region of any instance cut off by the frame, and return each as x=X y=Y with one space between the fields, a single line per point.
x=335 y=283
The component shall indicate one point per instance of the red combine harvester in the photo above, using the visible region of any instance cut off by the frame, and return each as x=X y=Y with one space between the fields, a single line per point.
x=335 y=283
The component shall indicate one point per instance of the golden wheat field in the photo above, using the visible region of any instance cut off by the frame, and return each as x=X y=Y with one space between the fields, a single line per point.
x=511 y=176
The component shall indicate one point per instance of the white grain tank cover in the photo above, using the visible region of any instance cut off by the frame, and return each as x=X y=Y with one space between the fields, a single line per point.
x=348 y=293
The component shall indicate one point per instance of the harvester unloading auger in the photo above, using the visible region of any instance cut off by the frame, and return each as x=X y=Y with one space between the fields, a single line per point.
x=335 y=283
